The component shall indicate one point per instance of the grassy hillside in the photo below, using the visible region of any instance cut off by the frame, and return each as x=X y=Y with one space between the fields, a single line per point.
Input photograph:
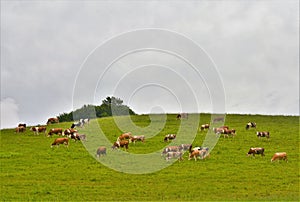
x=31 y=170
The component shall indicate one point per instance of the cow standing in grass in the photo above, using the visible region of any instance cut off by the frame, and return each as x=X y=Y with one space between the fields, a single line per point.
x=59 y=141
x=250 y=125
x=101 y=151
x=279 y=156
x=263 y=134
x=118 y=144
x=256 y=150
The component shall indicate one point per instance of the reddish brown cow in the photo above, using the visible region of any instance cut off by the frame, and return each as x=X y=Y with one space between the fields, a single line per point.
x=101 y=151
x=20 y=129
x=118 y=144
x=201 y=153
x=57 y=131
x=279 y=156
x=36 y=130
x=62 y=140
x=52 y=120
x=124 y=136
x=258 y=150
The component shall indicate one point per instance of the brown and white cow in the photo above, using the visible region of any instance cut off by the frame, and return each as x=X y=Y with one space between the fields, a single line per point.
x=169 y=137
x=62 y=140
x=125 y=136
x=263 y=134
x=184 y=147
x=57 y=131
x=171 y=154
x=279 y=156
x=118 y=144
x=38 y=129
x=52 y=120
x=136 y=138
x=101 y=151
x=20 y=129
x=200 y=152
x=204 y=126
x=218 y=130
x=228 y=132
x=256 y=150
x=170 y=149
x=69 y=132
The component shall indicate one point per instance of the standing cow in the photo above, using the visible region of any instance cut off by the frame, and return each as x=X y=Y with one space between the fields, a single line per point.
x=36 y=130
x=263 y=134
x=279 y=156
x=58 y=141
x=101 y=151
x=257 y=150
x=52 y=120
x=250 y=125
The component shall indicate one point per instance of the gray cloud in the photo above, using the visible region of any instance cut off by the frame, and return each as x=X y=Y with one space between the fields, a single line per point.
x=255 y=46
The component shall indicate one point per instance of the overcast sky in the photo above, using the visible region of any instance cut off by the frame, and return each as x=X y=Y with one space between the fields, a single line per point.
x=254 y=46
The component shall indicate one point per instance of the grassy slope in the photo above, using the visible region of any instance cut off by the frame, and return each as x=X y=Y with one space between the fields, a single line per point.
x=31 y=170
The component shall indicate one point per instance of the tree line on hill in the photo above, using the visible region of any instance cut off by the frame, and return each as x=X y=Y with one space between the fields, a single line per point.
x=111 y=106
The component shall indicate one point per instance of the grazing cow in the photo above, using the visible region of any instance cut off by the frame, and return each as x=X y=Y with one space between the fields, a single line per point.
x=125 y=136
x=136 y=138
x=204 y=126
x=218 y=130
x=170 y=149
x=74 y=136
x=101 y=151
x=195 y=153
x=172 y=154
x=52 y=120
x=59 y=141
x=263 y=134
x=38 y=129
x=76 y=124
x=20 y=129
x=57 y=131
x=69 y=132
x=228 y=132
x=118 y=144
x=169 y=137
x=219 y=119
x=184 y=147
x=182 y=116
x=250 y=125
x=279 y=156
x=258 y=150
x=22 y=124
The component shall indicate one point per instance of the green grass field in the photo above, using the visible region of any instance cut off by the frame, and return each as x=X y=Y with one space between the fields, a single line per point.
x=32 y=171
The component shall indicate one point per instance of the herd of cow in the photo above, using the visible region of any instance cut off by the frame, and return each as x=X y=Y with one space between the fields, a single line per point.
x=168 y=153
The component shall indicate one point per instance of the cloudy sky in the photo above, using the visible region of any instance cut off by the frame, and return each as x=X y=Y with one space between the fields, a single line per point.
x=52 y=57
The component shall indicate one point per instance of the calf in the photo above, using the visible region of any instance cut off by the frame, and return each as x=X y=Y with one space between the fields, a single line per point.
x=171 y=154
x=279 y=156
x=258 y=150
x=263 y=134
x=59 y=141
x=118 y=144
x=137 y=138
x=101 y=151
x=57 y=131
x=38 y=129
x=169 y=137
x=20 y=129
